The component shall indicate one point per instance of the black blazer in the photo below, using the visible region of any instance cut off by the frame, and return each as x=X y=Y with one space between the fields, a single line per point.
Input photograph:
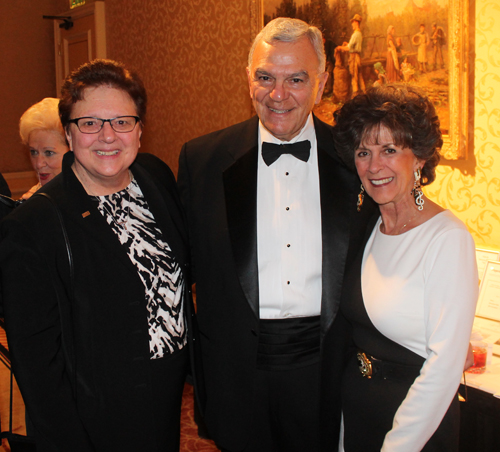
x=218 y=185
x=105 y=330
x=6 y=205
x=4 y=188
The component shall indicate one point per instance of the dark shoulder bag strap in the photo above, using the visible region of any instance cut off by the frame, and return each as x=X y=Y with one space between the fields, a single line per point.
x=9 y=202
x=7 y=205
x=66 y=327
x=66 y=239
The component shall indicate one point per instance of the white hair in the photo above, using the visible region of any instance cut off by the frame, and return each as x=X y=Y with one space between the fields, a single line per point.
x=44 y=115
x=291 y=30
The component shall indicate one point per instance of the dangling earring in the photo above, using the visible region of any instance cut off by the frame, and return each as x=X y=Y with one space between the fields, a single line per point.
x=417 y=190
x=361 y=196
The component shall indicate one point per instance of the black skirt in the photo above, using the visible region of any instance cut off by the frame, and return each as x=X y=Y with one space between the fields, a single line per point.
x=369 y=407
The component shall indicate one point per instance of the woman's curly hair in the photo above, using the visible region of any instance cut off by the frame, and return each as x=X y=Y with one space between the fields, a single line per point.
x=407 y=113
x=101 y=72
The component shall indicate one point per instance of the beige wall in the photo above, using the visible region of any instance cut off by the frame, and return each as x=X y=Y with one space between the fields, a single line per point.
x=471 y=189
x=191 y=56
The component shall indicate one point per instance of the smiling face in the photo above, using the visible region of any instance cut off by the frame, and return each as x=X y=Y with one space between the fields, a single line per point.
x=102 y=159
x=386 y=170
x=284 y=85
x=47 y=148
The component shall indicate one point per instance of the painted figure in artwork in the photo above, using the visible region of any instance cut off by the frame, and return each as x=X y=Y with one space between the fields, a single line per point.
x=381 y=74
x=354 y=47
x=392 y=64
x=421 y=39
x=438 y=41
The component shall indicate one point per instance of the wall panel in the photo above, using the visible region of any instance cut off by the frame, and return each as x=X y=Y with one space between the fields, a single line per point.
x=192 y=58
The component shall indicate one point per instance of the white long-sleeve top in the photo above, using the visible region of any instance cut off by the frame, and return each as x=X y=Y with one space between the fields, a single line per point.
x=420 y=290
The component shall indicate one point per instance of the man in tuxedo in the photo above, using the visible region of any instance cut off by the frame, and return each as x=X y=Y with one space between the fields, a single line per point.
x=272 y=215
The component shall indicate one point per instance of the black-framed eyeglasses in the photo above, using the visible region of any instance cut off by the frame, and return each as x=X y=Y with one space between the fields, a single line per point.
x=120 y=124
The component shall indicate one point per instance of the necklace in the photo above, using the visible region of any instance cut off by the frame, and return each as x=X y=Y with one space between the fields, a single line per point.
x=407 y=223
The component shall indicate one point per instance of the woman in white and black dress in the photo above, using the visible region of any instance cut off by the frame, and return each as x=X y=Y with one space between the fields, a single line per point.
x=410 y=295
x=100 y=357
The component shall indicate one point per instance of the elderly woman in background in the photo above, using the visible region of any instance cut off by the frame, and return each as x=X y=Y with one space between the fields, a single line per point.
x=410 y=296
x=41 y=130
x=97 y=323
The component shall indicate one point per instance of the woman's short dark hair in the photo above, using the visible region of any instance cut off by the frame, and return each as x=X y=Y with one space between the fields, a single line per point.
x=96 y=73
x=407 y=113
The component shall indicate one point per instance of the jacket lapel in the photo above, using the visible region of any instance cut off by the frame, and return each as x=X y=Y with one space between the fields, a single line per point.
x=82 y=211
x=337 y=191
x=240 y=191
x=337 y=201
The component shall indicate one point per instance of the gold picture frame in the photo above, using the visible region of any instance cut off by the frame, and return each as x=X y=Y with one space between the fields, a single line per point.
x=461 y=60
x=460 y=76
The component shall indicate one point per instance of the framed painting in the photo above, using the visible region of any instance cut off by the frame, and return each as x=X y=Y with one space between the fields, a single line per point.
x=422 y=42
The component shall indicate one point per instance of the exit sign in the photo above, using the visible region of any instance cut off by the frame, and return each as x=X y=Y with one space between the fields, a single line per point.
x=76 y=3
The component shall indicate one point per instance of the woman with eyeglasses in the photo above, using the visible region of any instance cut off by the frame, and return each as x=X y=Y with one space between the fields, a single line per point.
x=98 y=321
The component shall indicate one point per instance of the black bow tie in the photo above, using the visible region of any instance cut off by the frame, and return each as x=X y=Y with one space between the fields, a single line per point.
x=272 y=152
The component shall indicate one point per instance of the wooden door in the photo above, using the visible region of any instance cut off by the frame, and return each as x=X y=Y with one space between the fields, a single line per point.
x=83 y=42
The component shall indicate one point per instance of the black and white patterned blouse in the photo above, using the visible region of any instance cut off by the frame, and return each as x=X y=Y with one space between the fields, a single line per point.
x=128 y=214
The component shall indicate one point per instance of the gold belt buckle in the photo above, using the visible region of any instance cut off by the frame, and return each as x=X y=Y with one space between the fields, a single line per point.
x=365 y=365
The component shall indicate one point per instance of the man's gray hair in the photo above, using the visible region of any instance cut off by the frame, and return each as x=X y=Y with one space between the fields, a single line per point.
x=291 y=30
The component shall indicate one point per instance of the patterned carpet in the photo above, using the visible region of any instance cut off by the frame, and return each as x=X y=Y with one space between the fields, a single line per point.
x=190 y=441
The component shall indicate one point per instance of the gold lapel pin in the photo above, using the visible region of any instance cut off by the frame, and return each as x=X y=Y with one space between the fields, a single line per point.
x=85 y=214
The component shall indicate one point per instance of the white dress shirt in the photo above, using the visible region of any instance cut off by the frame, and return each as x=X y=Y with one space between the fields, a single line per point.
x=289 y=242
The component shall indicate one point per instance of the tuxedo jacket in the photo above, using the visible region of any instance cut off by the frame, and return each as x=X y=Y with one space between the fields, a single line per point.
x=80 y=351
x=218 y=186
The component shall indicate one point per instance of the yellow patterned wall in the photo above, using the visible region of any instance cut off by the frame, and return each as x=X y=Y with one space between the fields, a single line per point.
x=472 y=189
